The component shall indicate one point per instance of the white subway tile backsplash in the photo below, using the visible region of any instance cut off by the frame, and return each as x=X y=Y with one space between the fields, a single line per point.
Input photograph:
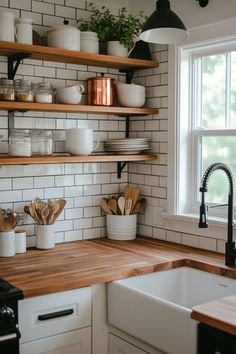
x=10 y=196
x=42 y=7
x=75 y=235
x=6 y=184
x=22 y=183
x=44 y=182
x=173 y=236
x=83 y=223
x=30 y=194
x=75 y=213
x=91 y=233
x=53 y=193
x=24 y=5
x=65 y=12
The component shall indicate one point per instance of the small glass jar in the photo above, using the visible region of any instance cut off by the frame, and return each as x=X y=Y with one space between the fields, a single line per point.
x=19 y=143
x=24 y=91
x=7 y=90
x=41 y=142
x=44 y=92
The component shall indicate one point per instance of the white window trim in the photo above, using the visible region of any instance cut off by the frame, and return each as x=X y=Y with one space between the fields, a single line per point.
x=219 y=33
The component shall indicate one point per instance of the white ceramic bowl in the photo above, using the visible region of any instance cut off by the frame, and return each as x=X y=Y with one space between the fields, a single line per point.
x=130 y=95
x=71 y=89
x=69 y=98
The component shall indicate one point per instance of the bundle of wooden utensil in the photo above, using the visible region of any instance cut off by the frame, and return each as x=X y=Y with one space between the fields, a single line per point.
x=9 y=219
x=45 y=213
x=127 y=204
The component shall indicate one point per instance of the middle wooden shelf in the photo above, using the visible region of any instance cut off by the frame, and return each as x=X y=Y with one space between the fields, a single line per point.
x=55 y=107
x=65 y=158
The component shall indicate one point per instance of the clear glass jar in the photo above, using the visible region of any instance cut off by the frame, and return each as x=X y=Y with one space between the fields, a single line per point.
x=41 y=142
x=7 y=90
x=44 y=92
x=19 y=143
x=24 y=91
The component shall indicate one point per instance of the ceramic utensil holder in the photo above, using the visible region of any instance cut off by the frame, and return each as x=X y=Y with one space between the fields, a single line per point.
x=45 y=237
x=20 y=241
x=7 y=243
x=121 y=227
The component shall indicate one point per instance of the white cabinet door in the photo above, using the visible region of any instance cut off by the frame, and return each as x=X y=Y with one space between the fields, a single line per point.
x=120 y=346
x=75 y=342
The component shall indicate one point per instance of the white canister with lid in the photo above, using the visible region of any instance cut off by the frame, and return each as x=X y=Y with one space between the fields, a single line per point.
x=7 y=26
x=64 y=36
x=89 y=42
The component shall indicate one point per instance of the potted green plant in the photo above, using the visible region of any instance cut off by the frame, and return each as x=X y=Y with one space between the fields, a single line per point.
x=110 y=28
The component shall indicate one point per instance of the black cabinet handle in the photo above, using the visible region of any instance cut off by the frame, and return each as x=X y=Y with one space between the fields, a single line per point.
x=50 y=316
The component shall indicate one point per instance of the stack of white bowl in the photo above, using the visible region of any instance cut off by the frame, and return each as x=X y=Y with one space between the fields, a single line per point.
x=130 y=95
x=70 y=94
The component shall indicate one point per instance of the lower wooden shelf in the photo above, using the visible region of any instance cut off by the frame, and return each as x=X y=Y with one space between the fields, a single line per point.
x=55 y=159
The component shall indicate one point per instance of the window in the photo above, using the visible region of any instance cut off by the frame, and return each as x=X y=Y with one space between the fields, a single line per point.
x=206 y=123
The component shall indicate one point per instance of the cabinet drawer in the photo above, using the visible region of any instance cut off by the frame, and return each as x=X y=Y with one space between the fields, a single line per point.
x=119 y=346
x=75 y=342
x=47 y=315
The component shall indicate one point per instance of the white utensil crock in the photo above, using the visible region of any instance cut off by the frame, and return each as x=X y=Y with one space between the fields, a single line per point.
x=7 y=243
x=80 y=141
x=121 y=227
x=7 y=26
x=45 y=236
x=24 y=30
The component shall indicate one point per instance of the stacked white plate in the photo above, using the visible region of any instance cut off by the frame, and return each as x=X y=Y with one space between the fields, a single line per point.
x=127 y=146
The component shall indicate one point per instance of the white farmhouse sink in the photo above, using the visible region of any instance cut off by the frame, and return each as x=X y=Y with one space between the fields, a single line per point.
x=156 y=307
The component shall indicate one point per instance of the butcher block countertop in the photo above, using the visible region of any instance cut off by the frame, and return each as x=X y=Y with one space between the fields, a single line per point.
x=82 y=263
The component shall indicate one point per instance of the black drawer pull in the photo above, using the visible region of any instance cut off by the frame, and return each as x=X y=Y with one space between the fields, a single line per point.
x=50 y=316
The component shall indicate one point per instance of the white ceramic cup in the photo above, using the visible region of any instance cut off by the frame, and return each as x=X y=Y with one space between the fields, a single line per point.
x=80 y=141
x=20 y=241
x=7 y=26
x=45 y=236
x=24 y=31
x=7 y=243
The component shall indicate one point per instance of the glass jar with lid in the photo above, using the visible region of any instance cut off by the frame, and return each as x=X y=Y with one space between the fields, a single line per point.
x=19 y=142
x=44 y=92
x=42 y=142
x=7 y=90
x=24 y=91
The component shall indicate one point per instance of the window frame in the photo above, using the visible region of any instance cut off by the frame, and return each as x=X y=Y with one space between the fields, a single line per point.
x=221 y=35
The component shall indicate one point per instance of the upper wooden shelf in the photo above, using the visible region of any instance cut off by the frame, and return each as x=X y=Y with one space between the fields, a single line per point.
x=74 y=57
x=75 y=108
x=54 y=159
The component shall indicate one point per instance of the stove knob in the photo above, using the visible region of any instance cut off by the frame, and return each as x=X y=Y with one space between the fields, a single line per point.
x=7 y=317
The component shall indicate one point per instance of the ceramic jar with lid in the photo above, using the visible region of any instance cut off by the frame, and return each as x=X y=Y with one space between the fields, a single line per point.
x=44 y=92
x=24 y=91
x=64 y=36
x=19 y=143
x=7 y=90
x=89 y=42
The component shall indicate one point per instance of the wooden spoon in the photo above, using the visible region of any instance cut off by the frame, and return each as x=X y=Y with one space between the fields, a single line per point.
x=44 y=214
x=105 y=207
x=121 y=205
x=59 y=206
x=112 y=204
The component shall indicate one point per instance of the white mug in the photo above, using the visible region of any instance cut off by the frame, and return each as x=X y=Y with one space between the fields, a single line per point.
x=80 y=141
x=7 y=26
x=24 y=31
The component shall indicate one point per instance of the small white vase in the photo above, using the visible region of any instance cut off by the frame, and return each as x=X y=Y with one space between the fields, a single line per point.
x=45 y=237
x=116 y=48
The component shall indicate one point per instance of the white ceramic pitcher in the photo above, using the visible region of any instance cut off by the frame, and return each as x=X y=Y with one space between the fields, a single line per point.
x=7 y=26
x=24 y=30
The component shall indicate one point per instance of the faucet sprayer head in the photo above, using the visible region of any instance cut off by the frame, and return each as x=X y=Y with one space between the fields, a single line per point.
x=203 y=217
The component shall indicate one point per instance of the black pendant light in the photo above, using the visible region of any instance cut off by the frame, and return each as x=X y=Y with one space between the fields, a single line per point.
x=164 y=26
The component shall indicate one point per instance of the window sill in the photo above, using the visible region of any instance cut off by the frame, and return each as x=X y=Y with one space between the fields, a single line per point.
x=188 y=223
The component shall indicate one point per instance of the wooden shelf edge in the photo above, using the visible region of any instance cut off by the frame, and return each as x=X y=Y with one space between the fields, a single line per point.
x=71 y=108
x=76 y=57
x=57 y=159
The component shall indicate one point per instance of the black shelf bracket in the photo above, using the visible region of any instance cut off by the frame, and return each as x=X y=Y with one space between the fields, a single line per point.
x=120 y=167
x=13 y=62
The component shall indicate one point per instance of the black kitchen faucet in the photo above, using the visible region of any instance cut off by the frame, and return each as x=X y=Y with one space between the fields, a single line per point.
x=230 y=251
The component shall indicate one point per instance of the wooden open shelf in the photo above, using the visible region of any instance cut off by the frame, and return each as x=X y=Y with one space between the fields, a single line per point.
x=74 y=57
x=75 y=108
x=65 y=158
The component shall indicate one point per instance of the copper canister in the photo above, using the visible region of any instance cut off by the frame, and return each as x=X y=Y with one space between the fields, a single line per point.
x=101 y=91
